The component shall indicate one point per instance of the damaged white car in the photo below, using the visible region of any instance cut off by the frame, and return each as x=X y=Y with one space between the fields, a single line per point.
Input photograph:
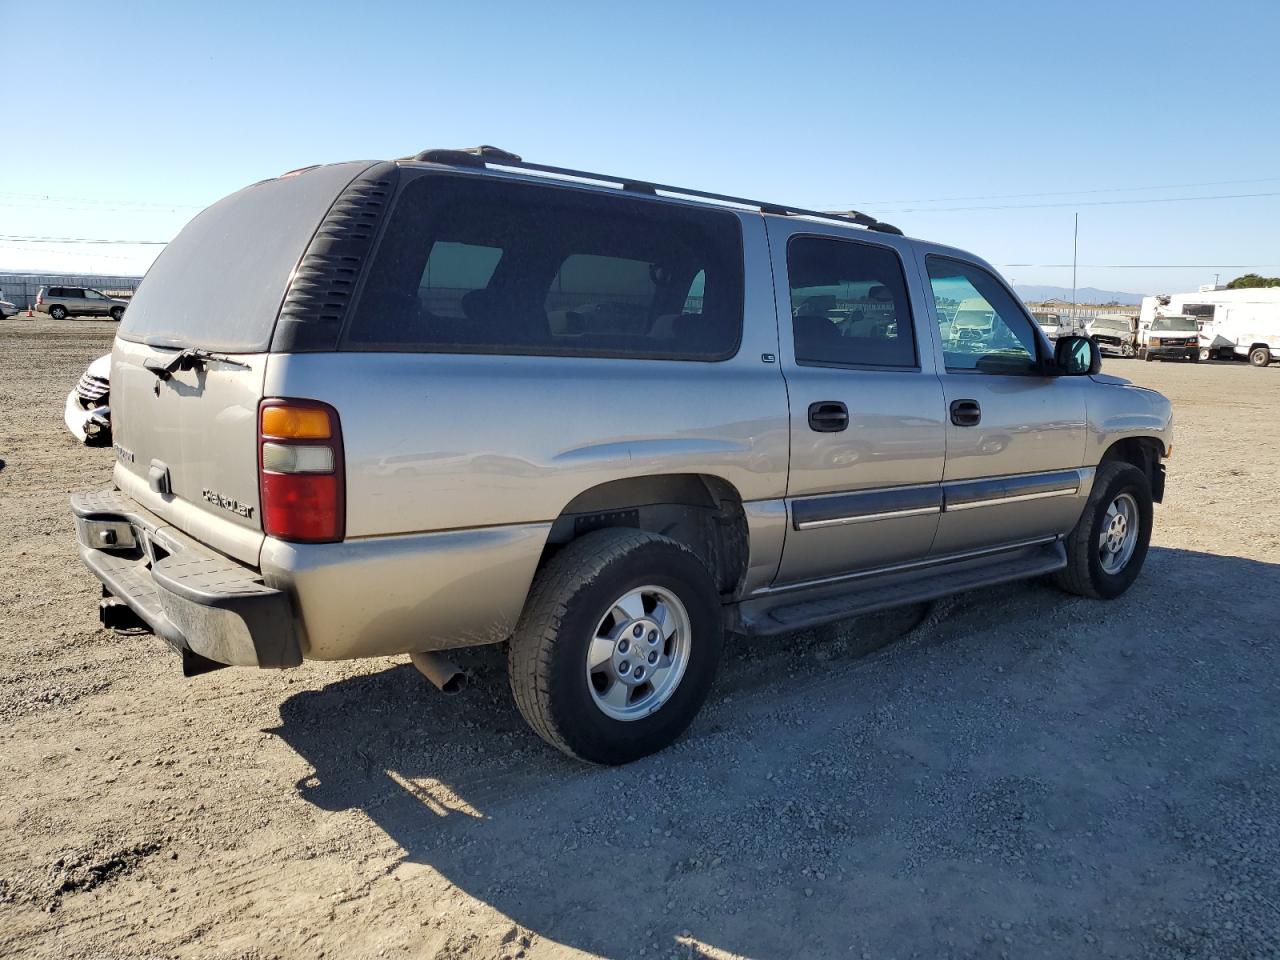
x=88 y=413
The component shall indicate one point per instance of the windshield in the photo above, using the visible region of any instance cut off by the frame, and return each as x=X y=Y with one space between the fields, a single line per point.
x=1187 y=324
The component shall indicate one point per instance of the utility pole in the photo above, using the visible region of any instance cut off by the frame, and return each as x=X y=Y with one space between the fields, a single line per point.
x=1075 y=245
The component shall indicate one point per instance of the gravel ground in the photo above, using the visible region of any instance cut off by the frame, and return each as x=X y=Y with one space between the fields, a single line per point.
x=1011 y=773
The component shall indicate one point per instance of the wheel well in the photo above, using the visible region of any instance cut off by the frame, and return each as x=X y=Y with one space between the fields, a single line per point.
x=1144 y=453
x=701 y=511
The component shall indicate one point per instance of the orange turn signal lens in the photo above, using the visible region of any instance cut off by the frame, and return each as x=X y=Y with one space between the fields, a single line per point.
x=296 y=423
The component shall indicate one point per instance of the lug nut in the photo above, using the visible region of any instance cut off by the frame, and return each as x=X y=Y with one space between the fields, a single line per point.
x=623 y=645
x=624 y=668
x=637 y=631
x=653 y=636
x=653 y=656
x=639 y=673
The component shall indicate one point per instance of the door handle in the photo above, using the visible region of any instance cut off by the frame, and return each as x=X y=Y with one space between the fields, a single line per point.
x=828 y=416
x=966 y=413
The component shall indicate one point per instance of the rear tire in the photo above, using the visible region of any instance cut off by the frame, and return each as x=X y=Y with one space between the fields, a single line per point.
x=58 y=313
x=1205 y=354
x=574 y=619
x=1260 y=356
x=1105 y=555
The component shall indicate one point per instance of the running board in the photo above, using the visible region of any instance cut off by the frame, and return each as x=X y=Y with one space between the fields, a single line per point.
x=798 y=609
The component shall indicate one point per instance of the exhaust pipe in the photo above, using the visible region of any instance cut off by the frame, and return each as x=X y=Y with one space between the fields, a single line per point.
x=440 y=670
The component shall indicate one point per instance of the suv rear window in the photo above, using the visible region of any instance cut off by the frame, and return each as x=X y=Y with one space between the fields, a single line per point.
x=220 y=282
x=485 y=266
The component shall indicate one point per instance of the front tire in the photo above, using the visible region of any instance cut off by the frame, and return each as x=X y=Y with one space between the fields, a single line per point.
x=617 y=647
x=117 y=314
x=1107 y=548
x=1260 y=356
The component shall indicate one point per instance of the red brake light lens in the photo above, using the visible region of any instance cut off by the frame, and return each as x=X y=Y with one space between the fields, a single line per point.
x=301 y=474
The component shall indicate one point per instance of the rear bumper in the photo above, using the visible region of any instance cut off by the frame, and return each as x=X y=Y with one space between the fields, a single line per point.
x=196 y=599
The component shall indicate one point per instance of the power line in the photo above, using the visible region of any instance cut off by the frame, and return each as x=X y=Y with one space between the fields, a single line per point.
x=1151 y=266
x=48 y=198
x=1086 y=203
x=1072 y=193
x=142 y=243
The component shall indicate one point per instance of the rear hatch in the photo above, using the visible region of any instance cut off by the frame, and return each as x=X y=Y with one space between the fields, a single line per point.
x=186 y=438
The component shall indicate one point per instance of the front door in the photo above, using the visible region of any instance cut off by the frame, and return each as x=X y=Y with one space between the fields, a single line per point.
x=866 y=410
x=1015 y=436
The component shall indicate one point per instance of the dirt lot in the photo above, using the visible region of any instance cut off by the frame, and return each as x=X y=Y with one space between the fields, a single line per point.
x=1020 y=774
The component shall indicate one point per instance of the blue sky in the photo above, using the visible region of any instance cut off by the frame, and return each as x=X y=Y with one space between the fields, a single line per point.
x=892 y=107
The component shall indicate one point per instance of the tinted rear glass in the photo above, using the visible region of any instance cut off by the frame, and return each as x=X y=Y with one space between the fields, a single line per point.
x=472 y=265
x=219 y=283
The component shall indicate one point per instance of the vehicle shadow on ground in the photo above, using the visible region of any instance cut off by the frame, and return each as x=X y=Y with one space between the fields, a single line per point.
x=789 y=820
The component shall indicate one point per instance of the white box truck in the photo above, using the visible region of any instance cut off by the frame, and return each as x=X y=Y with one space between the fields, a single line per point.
x=1233 y=324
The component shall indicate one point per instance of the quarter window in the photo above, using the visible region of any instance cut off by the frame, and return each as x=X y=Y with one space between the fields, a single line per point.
x=471 y=265
x=848 y=304
x=983 y=329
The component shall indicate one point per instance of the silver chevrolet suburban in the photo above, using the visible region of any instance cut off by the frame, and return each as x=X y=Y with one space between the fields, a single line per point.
x=404 y=407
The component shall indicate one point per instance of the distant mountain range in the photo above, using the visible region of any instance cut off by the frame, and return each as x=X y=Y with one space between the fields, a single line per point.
x=1036 y=293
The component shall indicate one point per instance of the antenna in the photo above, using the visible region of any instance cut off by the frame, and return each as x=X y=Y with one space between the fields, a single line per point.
x=1075 y=245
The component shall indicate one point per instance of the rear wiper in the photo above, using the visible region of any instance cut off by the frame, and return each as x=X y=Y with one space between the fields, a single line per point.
x=188 y=359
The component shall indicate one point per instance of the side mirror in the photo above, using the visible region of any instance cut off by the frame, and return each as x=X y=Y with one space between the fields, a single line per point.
x=1077 y=356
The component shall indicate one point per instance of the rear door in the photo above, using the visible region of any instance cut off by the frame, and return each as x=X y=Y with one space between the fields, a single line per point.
x=866 y=410
x=186 y=441
x=1015 y=436
x=95 y=304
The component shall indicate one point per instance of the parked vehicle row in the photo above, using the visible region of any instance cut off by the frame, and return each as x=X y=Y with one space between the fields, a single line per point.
x=1252 y=335
x=622 y=420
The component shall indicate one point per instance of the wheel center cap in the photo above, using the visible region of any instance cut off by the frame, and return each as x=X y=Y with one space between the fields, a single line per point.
x=632 y=649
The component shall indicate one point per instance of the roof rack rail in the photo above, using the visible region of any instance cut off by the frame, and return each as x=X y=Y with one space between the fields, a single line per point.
x=485 y=155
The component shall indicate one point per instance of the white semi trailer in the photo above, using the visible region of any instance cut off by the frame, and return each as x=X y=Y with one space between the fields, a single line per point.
x=1234 y=324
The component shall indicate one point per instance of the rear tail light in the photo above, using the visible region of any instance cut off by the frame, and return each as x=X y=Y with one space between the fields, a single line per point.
x=39 y=299
x=300 y=468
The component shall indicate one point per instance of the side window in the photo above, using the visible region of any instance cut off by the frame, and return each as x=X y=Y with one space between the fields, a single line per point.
x=848 y=304
x=982 y=328
x=453 y=271
x=693 y=300
x=76 y=293
x=55 y=292
x=480 y=265
x=93 y=295
x=594 y=294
